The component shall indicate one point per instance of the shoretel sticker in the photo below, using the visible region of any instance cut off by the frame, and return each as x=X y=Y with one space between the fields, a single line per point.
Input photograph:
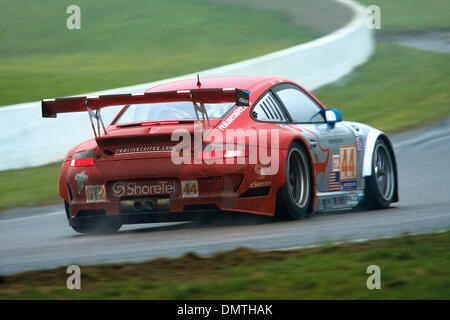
x=121 y=188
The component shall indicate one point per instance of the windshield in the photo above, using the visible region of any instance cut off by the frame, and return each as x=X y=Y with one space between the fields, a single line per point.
x=170 y=111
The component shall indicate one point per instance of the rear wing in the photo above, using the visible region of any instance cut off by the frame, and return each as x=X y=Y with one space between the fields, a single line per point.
x=51 y=107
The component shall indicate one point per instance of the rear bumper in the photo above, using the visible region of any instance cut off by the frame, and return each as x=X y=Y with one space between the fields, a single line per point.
x=218 y=188
x=180 y=209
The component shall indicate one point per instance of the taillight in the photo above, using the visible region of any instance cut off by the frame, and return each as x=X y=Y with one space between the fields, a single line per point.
x=223 y=152
x=82 y=162
x=83 y=158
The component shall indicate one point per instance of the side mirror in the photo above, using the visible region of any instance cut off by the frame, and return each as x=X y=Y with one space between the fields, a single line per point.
x=332 y=116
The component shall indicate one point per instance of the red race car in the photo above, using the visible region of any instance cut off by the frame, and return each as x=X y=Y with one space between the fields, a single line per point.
x=254 y=144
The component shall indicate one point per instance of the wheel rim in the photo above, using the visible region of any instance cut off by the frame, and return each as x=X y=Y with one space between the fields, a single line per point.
x=384 y=172
x=298 y=178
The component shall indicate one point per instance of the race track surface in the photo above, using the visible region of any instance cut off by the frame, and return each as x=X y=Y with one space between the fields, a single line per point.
x=40 y=238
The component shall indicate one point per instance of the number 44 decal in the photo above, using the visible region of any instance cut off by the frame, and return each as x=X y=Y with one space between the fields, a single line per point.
x=189 y=188
x=348 y=162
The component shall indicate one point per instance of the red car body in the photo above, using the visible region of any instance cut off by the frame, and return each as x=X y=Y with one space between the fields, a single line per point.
x=139 y=157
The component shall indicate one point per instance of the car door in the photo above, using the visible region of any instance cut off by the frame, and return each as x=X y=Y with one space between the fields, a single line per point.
x=333 y=146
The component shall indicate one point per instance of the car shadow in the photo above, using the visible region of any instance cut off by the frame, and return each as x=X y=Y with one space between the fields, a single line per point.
x=211 y=220
x=222 y=219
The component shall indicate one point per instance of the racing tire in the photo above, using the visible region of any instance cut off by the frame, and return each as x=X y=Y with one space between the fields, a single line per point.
x=294 y=197
x=66 y=206
x=381 y=185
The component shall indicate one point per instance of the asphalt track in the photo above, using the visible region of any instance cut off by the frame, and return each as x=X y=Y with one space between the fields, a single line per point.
x=39 y=238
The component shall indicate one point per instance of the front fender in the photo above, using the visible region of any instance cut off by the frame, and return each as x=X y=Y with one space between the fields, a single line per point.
x=370 y=137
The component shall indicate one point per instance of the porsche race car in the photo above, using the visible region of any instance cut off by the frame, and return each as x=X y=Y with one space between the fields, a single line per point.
x=253 y=144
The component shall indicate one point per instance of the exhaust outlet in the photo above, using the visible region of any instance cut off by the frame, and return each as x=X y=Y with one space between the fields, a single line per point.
x=142 y=205
x=137 y=206
x=148 y=205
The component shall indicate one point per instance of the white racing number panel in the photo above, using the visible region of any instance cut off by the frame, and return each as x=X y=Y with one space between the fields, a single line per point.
x=95 y=193
x=347 y=156
x=189 y=188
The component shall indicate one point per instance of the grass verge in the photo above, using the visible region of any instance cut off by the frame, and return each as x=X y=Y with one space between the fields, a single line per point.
x=400 y=88
x=412 y=267
x=29 y=187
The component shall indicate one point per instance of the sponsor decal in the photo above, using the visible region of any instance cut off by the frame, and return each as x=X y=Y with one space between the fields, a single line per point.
x=242 y=97
x=348 y=185
x=352 y=199
x=333 y=181
x=324 y=204
x=359 y=143
x=333 y=202
x=189 y=188
x=260 y=184
x=336 y=163
x=348 y=162
x=142 y=188
x=243 y=100
x=81 y=179
x=95 y=193
x=142 y=149
x=259 y=170
x=355 y=128
x=358 y=135
x=337 y=202
x=233 y=116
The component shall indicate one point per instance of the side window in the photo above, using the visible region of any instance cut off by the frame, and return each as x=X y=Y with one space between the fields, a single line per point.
x=268 y=109
x=300 y=106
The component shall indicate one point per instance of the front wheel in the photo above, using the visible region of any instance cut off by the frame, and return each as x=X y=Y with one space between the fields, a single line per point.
x=294 y=197
x=380 y=186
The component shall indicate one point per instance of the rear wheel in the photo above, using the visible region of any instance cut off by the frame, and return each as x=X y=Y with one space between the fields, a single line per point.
x=380 y=186
x=294 y=197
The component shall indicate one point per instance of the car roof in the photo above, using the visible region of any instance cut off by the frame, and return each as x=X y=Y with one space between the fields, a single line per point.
x=250 y=83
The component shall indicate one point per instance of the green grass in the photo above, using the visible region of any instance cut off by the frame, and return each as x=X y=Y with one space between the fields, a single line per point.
x=28 y=187
x=123 y=43
x=412 y=267
x=412 y=15
x=399 y=88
